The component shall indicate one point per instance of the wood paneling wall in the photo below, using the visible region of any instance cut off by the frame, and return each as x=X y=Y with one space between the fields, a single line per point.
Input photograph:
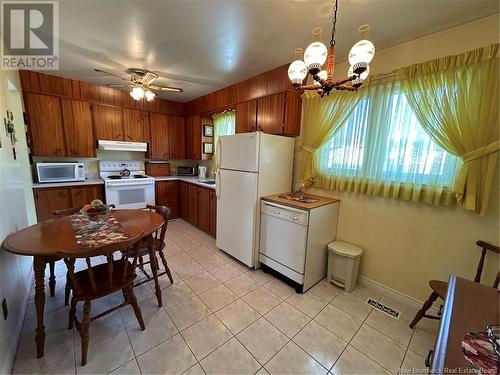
x=40 y=83
x=268 y=83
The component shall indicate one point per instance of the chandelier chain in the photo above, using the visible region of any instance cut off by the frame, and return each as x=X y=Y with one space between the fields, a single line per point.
x=335 y=8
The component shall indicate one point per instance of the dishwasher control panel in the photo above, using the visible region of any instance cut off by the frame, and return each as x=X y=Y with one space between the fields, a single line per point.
x=286 y=213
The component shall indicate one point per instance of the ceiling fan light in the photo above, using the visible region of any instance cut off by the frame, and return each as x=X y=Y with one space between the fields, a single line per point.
x=316 y=52
x=137 y=93
x=150 y=95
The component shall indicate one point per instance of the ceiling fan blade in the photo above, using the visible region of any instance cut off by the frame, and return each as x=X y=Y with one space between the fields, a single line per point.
x=116 y=85
x=149 y=78
x=111 y=74
x=165 y=88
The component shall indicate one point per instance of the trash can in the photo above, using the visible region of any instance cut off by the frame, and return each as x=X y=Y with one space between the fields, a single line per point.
x=343 y=264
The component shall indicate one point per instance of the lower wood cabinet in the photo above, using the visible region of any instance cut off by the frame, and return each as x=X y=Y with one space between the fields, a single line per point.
x=203 y=207
x=167 y=194
x=212 y=208
x=184 y=200
x=193 y=204
x=49 y=199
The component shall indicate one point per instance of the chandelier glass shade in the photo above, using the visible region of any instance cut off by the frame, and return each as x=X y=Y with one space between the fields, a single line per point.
x=316 y=54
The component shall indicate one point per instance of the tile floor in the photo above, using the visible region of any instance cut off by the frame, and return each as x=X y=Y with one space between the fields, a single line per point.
x=221 y=317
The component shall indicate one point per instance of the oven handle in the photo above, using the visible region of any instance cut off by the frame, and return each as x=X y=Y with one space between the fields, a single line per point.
x=107 y=186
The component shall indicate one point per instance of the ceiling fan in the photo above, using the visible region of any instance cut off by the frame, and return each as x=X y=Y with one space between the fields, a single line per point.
x=141 y=82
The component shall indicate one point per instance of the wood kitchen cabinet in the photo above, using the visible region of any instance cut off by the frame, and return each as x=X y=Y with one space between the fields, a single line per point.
x=49 y=199
x=203 y=208
x=193 y=204
x=135 y=125
x=212 y=208
x=246 y=116
x=193 y=133
x=108 y=122
x=78 y=132
x=45 y=125
x=270 y=113
x=184 y=200
x=176 y=136
x=167 y=194
x=159 y=147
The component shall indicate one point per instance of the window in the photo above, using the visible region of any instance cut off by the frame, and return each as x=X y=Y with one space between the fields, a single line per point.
x=382 y=140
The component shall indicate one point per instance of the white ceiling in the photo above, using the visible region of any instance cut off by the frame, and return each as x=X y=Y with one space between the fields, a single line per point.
x=205 y=45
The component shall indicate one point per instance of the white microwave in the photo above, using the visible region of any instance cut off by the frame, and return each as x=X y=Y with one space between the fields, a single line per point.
x=60 y=172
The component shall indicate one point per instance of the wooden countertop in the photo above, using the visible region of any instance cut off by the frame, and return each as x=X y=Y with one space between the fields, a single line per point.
x=322 y=201
x=469 y=307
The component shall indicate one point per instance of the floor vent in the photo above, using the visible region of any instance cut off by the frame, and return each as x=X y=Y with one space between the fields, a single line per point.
x=385 y=309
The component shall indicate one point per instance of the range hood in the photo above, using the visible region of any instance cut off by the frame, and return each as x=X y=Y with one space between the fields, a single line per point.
x=122 y=146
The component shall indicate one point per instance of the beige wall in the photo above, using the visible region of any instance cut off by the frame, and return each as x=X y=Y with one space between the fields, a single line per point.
x=16 y=212
x=406 y=244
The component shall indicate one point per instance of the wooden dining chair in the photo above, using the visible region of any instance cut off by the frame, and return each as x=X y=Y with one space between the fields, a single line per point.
x=100 y=280
x=439 y=287
x=53 y=260
x=157 y=242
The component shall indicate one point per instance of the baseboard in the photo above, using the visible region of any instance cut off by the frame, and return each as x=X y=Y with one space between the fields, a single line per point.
x=393 y=294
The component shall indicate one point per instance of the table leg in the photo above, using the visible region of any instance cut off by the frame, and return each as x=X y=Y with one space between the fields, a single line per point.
x=154 y=270
x=39 y=268
x=52 y=278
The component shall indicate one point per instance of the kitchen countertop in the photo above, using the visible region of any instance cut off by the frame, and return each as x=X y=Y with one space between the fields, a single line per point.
x=191 y=179
x=89 y=181
x=322 y=201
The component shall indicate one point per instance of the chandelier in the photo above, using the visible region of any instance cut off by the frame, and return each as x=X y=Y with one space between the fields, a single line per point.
x=316 y=54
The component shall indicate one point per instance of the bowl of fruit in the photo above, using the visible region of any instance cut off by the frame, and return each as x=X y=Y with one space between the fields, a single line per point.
x=96 y=210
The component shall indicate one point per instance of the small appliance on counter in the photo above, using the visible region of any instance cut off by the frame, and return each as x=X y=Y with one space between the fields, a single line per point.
x=202 y=171
x=60 y=172
x=126 y=184
x=157 y=168
x=294 y=235
x=186 y=171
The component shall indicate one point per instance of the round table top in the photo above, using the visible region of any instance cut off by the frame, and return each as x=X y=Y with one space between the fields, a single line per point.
x=51 y=237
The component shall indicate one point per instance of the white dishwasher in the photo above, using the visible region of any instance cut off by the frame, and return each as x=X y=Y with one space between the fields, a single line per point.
x=294 y=241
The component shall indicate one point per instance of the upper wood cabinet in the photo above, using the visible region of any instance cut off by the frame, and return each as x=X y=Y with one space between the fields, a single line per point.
x=78 y=133
x=176 y=137
x=270 y=113
x=135 y=125
x=108 y=122
x=45 y=125
x=193 y=134
x=246 y=116
x=293 y=112
x=159 y=147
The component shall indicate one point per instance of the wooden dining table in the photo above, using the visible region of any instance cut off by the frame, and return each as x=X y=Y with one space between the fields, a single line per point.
x=48 y=239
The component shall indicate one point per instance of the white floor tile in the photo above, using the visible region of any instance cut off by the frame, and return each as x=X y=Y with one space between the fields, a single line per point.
x=129 y=368
x=225 y=272
x=338 y=321
x=202 y=282
x=262 y=300
x=308 y=303
x=325 y=290
x=280 y=288
x=396 y=329
x=188 y=313
x=237 y=316
x=413 y=364
x=352 y=305
x=218 y=297
x=353 y=361
x=287 y=319
x=422 y=341
x=293 y=360
x=242 y=285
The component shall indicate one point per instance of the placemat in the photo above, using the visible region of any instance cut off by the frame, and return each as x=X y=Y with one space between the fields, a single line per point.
x=90 y=233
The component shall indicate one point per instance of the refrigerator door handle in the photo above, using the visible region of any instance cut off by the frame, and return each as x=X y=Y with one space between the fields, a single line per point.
x=217 y=184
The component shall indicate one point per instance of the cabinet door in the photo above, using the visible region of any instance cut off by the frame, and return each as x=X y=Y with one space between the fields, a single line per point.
x=159 y=144
x=270 y=113
x=167 y=194
x=203 y=209
x=176 y=137
x=293 y=111
x=246 y=116
x=193 y=204
x=133 y=125
x=47 y=200
x=78 y=133
x=212 y=207
x=184 y=200
x=45 y=124
x=108 y=122
x=84 y=195
x=193 y=137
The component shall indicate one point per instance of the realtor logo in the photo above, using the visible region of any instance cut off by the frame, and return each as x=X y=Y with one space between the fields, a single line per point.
x=30 y=35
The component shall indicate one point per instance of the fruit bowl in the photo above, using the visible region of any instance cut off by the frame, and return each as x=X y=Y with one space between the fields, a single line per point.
x=98 y=215
x=96 y=211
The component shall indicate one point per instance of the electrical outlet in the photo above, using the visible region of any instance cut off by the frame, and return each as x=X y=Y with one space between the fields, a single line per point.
x=5 y=309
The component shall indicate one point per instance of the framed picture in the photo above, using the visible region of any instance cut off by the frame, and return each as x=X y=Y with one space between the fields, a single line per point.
x=208 y=148
x=208 y=130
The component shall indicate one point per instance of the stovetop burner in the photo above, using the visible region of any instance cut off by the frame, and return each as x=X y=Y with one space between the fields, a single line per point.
x=139 y=176
x=115 y=177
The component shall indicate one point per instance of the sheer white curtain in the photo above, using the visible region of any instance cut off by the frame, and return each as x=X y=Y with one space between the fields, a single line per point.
x=383 y=150
x=224 y=124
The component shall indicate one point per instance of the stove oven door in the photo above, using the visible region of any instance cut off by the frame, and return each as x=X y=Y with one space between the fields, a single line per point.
x=130 y=196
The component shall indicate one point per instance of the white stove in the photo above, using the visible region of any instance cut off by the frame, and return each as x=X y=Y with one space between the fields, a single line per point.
x=126 y=184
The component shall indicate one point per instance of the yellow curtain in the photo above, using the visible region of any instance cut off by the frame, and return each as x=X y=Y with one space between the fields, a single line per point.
x=322 y=117
x=456 y=101
x=224 y=124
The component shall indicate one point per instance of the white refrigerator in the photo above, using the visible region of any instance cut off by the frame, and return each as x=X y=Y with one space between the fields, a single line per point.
x=251 y=165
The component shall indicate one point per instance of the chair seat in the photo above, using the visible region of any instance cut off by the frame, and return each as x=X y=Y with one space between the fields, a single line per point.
x=440 y=287
x=143 y=246
x=101 y=276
